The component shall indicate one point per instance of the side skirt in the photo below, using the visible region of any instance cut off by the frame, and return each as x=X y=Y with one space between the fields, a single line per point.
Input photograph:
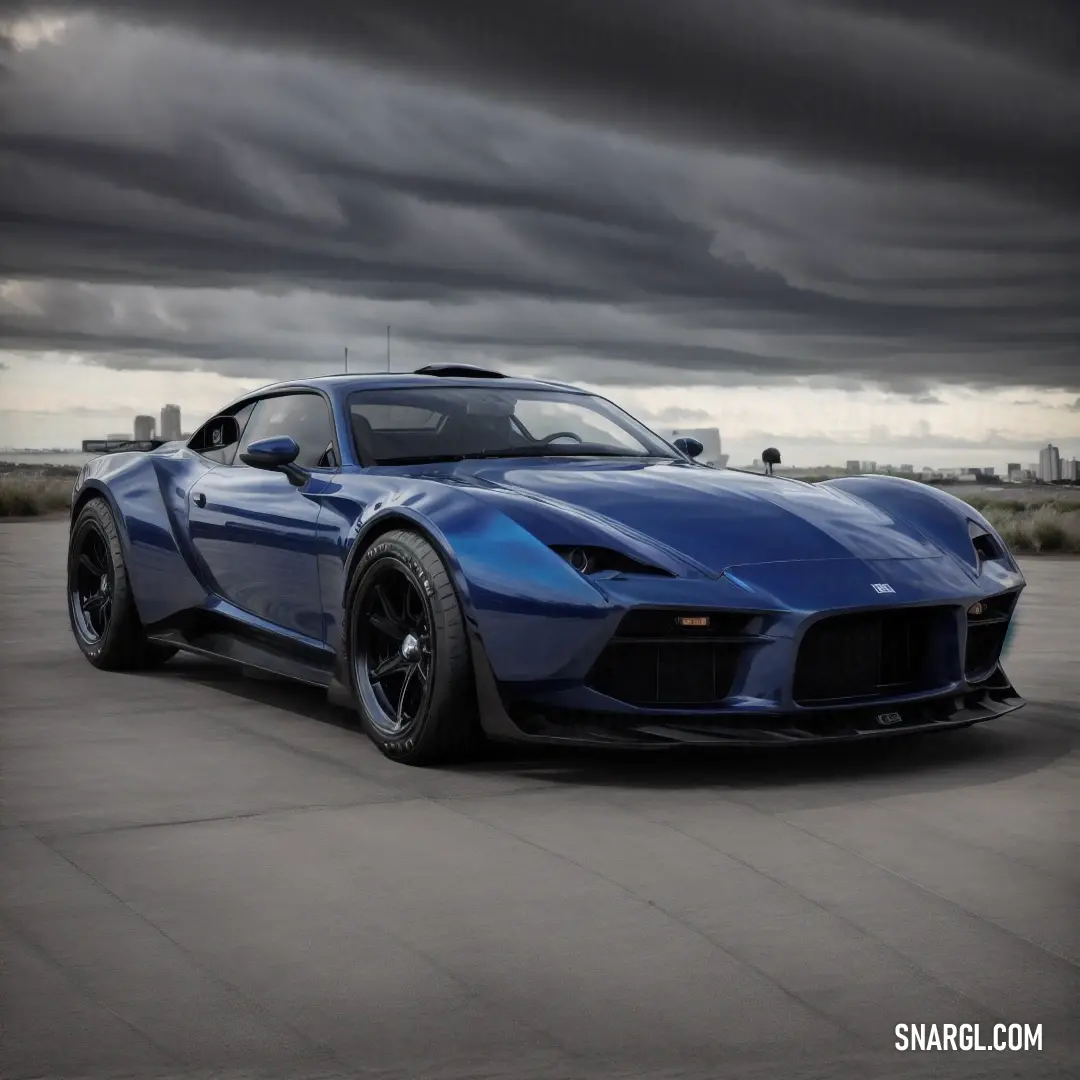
x=224 y=639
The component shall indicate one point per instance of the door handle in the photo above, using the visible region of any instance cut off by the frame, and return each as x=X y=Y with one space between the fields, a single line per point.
x=199 y=498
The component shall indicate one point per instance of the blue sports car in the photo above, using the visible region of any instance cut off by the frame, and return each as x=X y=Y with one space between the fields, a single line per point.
x=464 y=555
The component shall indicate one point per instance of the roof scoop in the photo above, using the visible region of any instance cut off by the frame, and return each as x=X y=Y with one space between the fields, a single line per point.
x=459 y=371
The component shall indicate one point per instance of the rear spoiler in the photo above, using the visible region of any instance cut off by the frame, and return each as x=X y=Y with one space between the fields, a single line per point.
x=122 y=446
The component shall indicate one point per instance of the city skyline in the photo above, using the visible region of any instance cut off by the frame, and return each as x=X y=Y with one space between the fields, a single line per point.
x=1051 y=467
x=211 y=212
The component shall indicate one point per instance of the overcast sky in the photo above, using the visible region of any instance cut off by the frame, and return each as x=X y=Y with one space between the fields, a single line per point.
x=812 y=224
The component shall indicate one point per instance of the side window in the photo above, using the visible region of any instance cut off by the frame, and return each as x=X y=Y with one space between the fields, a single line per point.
x=218 y=440
x=303 y=417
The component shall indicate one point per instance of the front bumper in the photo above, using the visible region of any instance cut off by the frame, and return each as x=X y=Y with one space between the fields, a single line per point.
x=540 y=725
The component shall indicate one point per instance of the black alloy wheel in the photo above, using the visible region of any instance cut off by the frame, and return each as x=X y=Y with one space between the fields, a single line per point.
x=394 y=647
x=101 y=606
x=406 y=651
x=93 y=583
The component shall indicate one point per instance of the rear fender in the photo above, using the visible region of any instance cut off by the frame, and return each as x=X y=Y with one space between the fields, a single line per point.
x=147 y=494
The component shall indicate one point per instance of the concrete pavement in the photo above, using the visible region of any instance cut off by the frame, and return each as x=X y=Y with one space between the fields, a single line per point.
x=206 y=874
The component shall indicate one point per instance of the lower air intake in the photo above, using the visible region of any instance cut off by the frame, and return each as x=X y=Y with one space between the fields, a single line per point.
x=655 y=660
x=986 y=633
x=869 y=655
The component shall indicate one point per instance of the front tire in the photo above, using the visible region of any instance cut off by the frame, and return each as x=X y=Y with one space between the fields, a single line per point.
x=407 y=653
x=101 y=606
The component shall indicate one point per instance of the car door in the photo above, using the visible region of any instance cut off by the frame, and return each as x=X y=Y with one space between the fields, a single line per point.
x=256 y=531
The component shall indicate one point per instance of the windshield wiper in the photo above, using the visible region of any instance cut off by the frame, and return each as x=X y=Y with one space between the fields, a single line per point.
x=513 y=452
x=549 y=451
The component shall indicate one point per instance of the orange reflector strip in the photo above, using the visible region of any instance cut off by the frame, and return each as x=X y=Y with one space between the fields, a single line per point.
x=693 y=620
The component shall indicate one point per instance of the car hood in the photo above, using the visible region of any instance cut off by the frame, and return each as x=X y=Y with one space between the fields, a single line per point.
x=715 y=518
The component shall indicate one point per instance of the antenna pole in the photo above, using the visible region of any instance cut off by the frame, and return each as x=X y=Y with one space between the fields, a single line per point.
x=388 y=348
x=346 y=359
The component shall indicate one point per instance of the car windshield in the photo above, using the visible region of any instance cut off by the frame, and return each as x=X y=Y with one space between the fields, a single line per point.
x=409 y=425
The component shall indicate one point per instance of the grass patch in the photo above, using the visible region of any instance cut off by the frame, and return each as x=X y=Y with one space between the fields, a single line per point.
x=31 y=495
x=1047 y=526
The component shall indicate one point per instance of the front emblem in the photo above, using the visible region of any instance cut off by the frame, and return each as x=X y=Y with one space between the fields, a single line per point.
x=881 y=587
x=886 y=719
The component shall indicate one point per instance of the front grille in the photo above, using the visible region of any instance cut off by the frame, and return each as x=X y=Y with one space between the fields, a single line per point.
x=868 y=655
x=653 y=661
x=986 y=637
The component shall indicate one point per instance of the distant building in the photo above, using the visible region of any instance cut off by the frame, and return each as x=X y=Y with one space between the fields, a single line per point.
x=170 y=423
x=907 y=469
x=868 y=467
x=1013 y=472
x=1070 y=470
x=709 y=438
x=854 y=466
x=1049 y=464
x=144 y=428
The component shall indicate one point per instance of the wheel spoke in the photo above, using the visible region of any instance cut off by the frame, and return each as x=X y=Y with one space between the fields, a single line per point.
x=388 y=628
x=388 y=667
x=93 y=604
x=388 y=606
x=400 y=717
x=91 y=565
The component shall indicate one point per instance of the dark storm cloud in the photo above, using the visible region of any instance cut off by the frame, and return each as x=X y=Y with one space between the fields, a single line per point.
x=793 y=191
x=820 y=78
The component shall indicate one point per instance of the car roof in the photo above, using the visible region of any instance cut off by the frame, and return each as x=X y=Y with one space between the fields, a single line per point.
x=337 y=385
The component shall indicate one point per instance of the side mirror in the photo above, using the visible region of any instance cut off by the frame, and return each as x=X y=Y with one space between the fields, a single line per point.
x=273 y=453
x=690 y=447
x=276 y=454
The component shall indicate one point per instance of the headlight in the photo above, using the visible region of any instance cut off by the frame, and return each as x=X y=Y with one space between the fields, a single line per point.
x=597 y=560
x=987 y=549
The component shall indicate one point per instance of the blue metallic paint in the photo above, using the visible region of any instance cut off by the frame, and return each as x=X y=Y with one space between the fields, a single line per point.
x=254 y=512
x=265 y=557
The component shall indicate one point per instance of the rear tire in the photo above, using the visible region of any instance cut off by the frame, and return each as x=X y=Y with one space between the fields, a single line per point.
x=101 y=607
x=405 y=646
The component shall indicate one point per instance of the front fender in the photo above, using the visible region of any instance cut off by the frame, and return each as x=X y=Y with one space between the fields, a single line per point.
x=531 y=611
x=939 y=516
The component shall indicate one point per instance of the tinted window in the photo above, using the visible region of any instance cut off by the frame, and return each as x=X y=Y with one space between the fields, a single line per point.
x=421 y=423
x=303 y=417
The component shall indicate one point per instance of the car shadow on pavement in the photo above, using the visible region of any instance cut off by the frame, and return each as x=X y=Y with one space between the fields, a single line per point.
x=982 y=754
